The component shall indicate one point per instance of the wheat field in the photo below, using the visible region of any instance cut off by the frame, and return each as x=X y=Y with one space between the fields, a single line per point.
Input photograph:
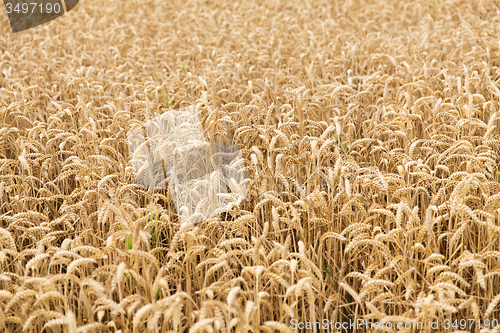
x=370 y=132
